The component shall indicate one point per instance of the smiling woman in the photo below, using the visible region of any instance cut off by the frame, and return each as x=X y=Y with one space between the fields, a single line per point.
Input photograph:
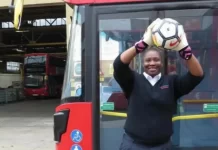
x=152 y=62
x=151 y=96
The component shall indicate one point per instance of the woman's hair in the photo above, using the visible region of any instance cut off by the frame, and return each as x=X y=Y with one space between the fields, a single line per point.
x=156 y=49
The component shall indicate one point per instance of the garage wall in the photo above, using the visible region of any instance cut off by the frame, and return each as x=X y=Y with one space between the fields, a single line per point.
x=6 y=3
x=6 y=79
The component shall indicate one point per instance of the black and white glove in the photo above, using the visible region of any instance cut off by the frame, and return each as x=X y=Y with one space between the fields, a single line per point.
x=183 y=48
x=146 y=40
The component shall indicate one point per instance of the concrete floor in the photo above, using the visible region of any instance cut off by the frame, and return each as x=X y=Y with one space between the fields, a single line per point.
x=27 y=125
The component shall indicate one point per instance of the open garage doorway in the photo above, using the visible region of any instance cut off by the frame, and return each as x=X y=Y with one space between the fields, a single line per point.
x=31 y=60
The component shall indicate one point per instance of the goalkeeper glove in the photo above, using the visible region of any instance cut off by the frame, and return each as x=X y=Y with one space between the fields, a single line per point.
x=183 y=48
x=146 y=40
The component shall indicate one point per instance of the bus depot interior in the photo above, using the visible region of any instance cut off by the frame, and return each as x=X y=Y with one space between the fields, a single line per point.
x=34 y=57
x=118 y=27
x=32 y=63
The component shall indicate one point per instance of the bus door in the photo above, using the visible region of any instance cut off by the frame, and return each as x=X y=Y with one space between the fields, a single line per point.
x=92 y=116
x=119 y=31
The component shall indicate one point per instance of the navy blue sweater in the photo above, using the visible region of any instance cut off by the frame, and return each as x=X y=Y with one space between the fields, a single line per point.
x=150 y=109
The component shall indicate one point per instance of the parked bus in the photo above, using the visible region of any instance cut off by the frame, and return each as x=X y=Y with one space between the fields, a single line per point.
x=43 y=75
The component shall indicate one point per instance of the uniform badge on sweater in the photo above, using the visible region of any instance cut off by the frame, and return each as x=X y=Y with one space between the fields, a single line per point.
x=164 y=87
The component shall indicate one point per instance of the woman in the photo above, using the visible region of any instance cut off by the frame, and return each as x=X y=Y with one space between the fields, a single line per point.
x=152 y=96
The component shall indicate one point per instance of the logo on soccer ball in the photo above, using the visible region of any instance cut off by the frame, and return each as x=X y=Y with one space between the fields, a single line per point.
x=166 y=33
x=173 y=43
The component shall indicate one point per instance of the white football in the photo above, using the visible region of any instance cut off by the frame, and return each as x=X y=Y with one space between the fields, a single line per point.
x=167 y=33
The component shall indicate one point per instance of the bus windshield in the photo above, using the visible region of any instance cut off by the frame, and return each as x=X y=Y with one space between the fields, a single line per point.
x=34 y=59
x=35 y=81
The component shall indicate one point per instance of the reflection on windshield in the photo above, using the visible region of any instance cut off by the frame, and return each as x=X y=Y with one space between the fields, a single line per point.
x=72 y=79
x=109 y=49
x=34 y=81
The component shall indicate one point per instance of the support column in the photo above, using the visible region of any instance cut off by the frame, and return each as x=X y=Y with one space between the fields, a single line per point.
x=69 y=17
x=1 y=38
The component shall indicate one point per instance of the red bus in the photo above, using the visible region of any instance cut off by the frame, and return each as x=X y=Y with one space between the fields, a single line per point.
x=100 y=30
x=43 y=75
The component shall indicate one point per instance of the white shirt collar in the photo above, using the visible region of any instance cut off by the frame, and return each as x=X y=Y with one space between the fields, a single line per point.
x=157 y=77
x=153 y=80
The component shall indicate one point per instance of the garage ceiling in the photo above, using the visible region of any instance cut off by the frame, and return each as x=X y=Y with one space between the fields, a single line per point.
x=49 y=38
x=31 y=13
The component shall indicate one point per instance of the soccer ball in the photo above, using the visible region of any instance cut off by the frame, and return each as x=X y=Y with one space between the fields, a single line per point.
x=166 y=33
